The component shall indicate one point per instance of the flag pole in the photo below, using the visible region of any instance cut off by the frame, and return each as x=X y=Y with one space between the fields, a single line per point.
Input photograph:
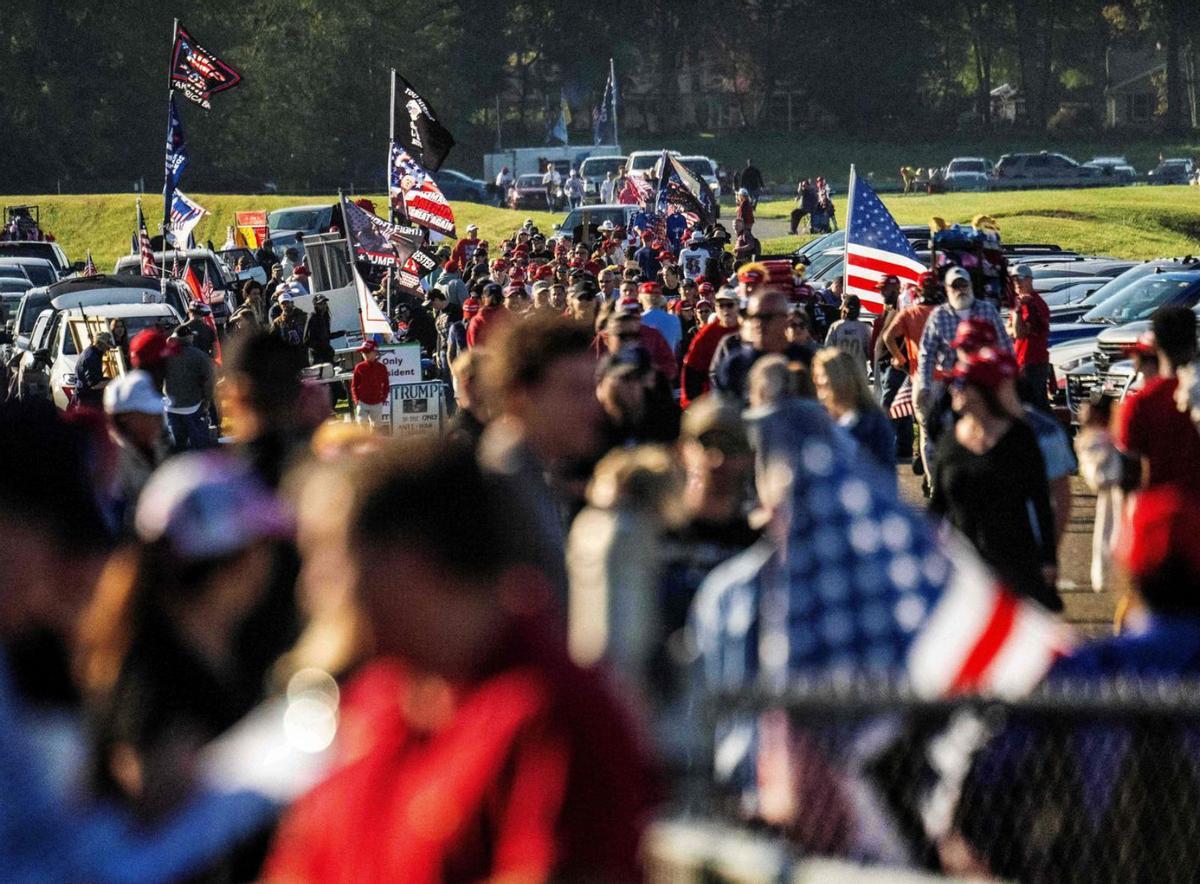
x=391 y=143
x=162 y=285
x=612 y=78
x=849 y=216
x=353 y=270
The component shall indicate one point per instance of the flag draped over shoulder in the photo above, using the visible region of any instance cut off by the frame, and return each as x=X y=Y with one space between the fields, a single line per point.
x=197 y=72
x=415 y=195
x=425 y=139
x=185 y=215
x=636 y=192
x=875 y=246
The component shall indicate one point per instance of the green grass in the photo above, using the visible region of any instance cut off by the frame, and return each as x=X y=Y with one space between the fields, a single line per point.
x=1125 y=222
x=104 y=222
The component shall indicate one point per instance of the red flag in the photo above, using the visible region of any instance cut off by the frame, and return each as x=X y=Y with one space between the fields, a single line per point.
x=203 y=293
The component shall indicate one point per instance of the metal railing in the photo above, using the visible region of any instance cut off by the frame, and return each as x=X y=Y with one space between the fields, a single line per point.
x=1076 y=782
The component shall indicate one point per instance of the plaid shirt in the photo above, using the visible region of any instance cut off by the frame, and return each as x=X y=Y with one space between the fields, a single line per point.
x=936 y=352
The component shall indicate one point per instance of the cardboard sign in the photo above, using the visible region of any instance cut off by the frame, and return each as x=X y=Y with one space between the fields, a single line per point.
x=403 y=362
x=416 y=409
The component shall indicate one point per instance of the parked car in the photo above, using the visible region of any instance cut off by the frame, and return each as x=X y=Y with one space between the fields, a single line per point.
x=619 y=215
x=1174 y=171
x=284 y=224
x=1135 y=303
x=39 y=271
x=1057 y=290
x=968 y=173
x=51 y=251
x=460 y=187
x=225 y=296
x=1025 y=170
x=1071 y=312
x=1065 y=359
x=1116 y=169
x=70 y=335
x=250 y=266
x=642 y=161
x=528 y=192
x=592 y=171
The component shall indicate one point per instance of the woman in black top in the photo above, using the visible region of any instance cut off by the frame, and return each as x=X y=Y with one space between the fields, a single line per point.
x=989 y=482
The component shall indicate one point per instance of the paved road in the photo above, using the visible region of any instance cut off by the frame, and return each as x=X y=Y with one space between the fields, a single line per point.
x=1091 y=612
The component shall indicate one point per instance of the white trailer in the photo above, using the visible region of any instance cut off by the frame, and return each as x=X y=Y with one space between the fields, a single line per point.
x=527 y=160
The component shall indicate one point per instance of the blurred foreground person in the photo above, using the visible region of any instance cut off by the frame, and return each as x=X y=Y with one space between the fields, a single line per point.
x=135 y=418
x=263 y=401
x=841 y=382
x=547 y=417
x=489 y=756
x=52 y=549
x=172 y=654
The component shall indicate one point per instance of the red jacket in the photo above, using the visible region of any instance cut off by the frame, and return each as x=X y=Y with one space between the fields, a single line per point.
x=534 y=770
x=485 y=323
x=370 y=384
x=698 y=361
x=655 y=344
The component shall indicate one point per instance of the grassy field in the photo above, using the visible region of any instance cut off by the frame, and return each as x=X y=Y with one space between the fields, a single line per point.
x=1129 y=222
x=1126 y=222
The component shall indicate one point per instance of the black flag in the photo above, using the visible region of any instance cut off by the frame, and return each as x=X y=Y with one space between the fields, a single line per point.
x=377 y=241
x=425 y=139
x=198 y=73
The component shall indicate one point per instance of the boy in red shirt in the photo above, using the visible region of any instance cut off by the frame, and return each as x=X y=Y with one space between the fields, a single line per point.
x=1029 y=325
x=370 y=387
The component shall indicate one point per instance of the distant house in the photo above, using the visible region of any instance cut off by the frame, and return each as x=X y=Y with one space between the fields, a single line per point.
x=1137 y=87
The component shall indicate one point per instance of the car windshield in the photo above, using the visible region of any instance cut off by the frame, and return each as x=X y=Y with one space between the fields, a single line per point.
x=596 y=167
x=1114 y=287
x=967 y=166
x=644 y=162
x=822 y=263
x=15 y=286
x=594 y=216
x=814 y=247
x=699 y=168
x=11 y=302
x=296 y=219
x=1141 y=299
x=31 y=306
x=41 y=274
x=230 y=257
x=11 y=271
x=529 y=181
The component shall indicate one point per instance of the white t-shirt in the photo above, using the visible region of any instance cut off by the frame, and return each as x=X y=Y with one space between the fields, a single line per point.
x=692 y=261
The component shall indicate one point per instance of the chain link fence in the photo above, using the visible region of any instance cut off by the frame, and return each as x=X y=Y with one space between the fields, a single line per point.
x=1075 y=783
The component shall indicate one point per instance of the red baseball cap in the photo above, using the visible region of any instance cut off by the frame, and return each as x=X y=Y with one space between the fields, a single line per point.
x=649 y=288
x=1145 y=345
x=368 y=347
x=664 y=255
x=629 y=307
x=927 y=277
x=987 y=368
x=1162 y=522
x=890 y=279
x=499 y=264
x=470 y=306
x=973 y=335
x=706 y=288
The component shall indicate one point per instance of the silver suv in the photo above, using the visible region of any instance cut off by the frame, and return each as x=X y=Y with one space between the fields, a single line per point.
x=1021 y=170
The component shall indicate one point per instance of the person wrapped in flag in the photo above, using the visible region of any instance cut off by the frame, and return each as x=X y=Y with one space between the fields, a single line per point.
x=848 y=582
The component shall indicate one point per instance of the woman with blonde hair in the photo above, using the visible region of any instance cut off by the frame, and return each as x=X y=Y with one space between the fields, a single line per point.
x=842 y=388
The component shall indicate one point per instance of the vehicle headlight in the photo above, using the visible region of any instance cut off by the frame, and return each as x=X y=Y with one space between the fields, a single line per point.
x=1073 y=363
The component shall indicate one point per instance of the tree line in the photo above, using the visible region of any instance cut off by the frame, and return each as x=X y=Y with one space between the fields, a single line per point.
x=83 y=82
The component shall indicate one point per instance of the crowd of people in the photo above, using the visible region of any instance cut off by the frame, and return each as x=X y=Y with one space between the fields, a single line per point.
x=661 y=456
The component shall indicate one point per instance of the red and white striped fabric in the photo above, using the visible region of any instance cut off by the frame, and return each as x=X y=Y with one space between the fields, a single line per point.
x=980 y=638
x=902 y=405
x=875 y=247
x=149 y=268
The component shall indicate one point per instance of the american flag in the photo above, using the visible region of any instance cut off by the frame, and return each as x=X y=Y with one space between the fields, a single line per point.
x=149 y=268
x=175 y=266
x=902 y=405
x=636 y=192
x=875 y=246
x=89 y=268
x=860 y=584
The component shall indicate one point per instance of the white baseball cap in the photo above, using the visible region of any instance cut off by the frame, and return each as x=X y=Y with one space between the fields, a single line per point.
x=133 y=393
x=954 y=274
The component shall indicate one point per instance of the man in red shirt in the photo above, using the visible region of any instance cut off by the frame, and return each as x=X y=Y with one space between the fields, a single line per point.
x=370 y=387
x=1029 y=326
x=464 y=249
x=491 y=316
x=473 y=748
x=694 y=380
x=1150 y=427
